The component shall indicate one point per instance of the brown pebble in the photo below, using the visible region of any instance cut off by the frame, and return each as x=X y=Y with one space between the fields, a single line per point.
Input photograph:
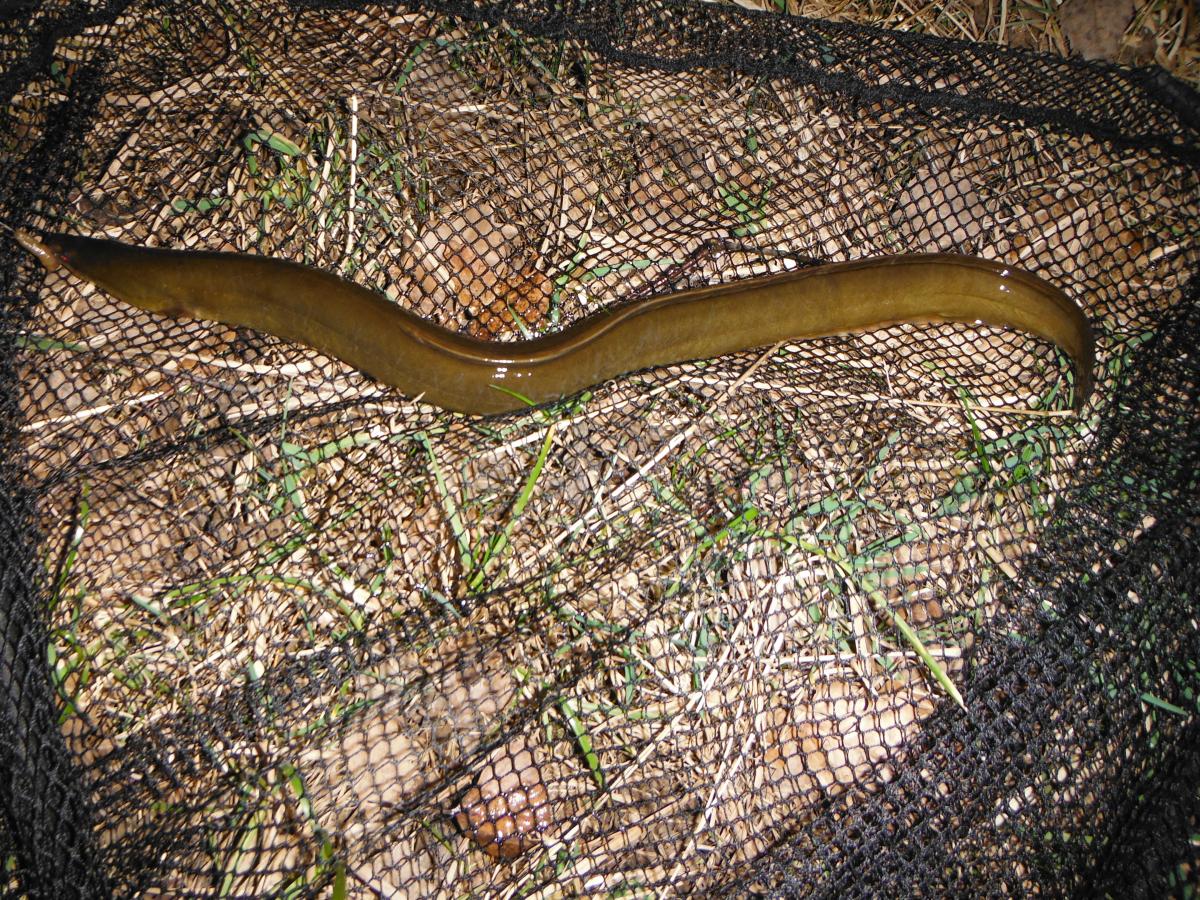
x=505 y=825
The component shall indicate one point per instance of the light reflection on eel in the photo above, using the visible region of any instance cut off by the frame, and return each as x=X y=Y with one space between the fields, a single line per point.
x=420 y=358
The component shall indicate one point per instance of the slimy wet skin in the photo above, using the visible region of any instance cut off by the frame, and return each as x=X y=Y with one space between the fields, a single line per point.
x=420 y=358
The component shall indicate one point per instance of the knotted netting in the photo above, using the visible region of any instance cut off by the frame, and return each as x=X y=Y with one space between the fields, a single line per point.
x=273 y=629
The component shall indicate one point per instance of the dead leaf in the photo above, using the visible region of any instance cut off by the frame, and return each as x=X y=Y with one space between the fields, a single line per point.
x=940 y=211
x=1095 y=28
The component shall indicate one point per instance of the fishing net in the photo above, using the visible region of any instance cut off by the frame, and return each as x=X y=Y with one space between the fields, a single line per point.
x=271 y=628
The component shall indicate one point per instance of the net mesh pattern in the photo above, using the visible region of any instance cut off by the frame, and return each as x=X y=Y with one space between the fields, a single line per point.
x=270 y=628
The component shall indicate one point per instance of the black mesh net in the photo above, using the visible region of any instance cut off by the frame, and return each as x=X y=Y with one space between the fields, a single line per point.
x=270 y=628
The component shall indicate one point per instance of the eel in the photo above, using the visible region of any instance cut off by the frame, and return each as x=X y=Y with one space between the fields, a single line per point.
x=424 y=360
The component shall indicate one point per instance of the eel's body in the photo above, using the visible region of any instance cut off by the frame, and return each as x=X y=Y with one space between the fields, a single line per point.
x=421 y=358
